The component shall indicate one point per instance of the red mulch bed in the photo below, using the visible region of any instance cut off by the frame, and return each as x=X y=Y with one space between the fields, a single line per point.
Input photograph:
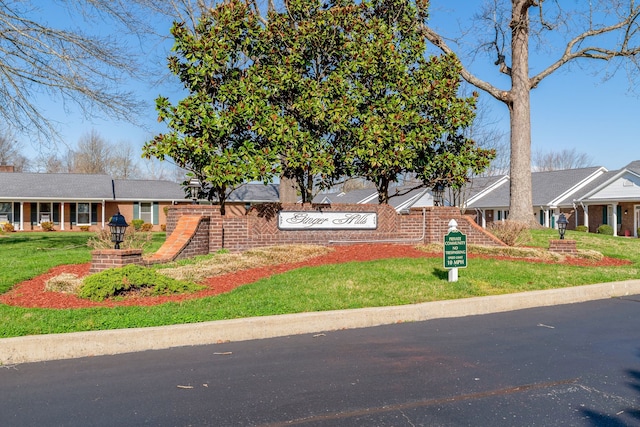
x=31 y=293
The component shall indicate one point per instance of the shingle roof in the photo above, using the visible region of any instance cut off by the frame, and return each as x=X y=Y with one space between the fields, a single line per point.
x=255 y=193
x=61 y=186
x=547 y=188
x=44 y=186
x=633 y=166
x=579 y=195
x=366 y=195
x=370 y=196
x=498 y=197
x=478 y=190
x=128 y=189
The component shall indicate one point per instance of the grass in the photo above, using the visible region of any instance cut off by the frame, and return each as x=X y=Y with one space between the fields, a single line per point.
x=27 y=255
x=329 y=287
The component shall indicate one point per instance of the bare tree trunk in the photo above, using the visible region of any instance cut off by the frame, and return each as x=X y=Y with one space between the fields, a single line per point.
x=521 y=200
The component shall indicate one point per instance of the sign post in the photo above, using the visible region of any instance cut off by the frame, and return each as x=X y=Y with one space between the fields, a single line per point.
x=455 y=251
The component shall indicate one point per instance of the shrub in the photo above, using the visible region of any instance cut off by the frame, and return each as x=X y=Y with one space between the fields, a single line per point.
x=582 y=228
x=117 y=281
x=7 y=227
x=512 y=233
x=163 y=227
x=132 y=240
x=146 y=227
x=84 y=228
x=605 y=229
x=137 y=223
x=47 y=226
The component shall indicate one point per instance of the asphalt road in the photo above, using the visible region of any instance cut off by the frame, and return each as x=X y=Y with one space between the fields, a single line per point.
x=571 y=365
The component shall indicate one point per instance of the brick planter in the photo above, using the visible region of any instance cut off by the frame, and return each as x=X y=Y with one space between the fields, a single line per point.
x=112 y=258
x=566 y=247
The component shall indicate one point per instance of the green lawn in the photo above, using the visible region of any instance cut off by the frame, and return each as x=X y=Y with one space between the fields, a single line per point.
x=331 y=287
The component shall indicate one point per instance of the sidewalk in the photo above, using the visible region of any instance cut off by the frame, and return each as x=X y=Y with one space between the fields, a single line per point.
x=37 y=348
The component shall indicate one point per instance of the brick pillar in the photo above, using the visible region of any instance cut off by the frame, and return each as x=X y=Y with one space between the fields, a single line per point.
x=566 y=247
x=112 y=258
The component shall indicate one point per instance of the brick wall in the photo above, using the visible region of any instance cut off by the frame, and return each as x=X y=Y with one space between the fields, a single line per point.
x=113 y=258
x=567 y=247
x=259 y=227
x=199 y=243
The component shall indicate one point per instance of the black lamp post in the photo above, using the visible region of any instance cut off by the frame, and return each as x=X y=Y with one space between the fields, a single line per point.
x=438 y=195
x=118 y=227
x=194 y=186
x=562 y=225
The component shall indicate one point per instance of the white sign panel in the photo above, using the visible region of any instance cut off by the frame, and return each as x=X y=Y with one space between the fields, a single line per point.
x=288 y=220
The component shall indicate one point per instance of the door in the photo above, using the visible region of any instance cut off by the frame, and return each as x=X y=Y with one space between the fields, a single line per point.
x=636 y=220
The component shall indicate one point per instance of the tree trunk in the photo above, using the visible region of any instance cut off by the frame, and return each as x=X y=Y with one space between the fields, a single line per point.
x=287 y=190
x=521 y=200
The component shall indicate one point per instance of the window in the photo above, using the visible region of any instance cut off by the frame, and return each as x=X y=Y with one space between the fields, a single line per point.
x=145 y=212
x=6 y=209
x=45 y=212
x=84 y=214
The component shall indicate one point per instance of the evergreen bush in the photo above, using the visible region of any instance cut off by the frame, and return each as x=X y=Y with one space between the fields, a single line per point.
x=117 y=281
x=137 y=224
x=605 y=229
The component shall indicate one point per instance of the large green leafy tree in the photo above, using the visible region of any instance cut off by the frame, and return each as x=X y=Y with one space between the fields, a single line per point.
x=209 y=131
x=350 y=93
x=324 y=89
x=300 y=72
x=409 y=117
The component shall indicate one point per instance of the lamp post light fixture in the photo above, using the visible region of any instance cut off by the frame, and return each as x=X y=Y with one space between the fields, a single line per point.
x=194 y=186
x=438 y=195
x=118 y=227
x=562 y=225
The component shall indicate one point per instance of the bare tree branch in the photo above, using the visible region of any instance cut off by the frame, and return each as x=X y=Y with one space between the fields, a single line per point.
x=439 y=42
x=630 y=26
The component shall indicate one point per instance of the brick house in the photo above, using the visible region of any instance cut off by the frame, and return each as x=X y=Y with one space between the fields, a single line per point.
x=586 y=196
x=71 y=201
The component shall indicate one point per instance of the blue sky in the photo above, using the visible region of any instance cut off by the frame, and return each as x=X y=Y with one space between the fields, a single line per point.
x=571 y=109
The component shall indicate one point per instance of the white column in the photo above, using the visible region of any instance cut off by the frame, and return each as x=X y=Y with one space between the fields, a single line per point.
x=614 y=216
x=586 y=216
x=21 y=216
x=484 y=218
x=547 y=223
x=103 y=206
x=62 y=216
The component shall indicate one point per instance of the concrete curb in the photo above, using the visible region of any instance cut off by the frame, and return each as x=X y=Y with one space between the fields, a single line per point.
x=36 y=348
